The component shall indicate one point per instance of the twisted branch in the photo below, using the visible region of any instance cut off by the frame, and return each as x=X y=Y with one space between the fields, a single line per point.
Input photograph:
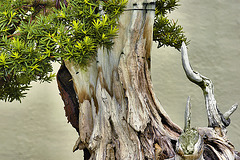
x=215 y=117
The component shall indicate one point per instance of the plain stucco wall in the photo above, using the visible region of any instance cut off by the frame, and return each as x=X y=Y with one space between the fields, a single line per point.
x=37 y=129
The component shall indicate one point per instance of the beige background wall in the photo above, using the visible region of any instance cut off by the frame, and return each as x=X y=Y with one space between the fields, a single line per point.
x=37 y=129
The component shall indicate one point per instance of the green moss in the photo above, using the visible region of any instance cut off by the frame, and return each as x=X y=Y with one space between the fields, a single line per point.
x=188 y=140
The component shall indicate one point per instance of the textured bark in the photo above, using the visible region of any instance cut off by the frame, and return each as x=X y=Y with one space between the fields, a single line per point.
x=119 y=115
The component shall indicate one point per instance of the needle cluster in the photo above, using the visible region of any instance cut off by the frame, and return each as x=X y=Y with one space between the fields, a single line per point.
x=30 y=42
x=167 y=32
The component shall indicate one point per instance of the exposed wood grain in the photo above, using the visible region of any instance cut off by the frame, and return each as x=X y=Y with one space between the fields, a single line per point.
x=119 y=114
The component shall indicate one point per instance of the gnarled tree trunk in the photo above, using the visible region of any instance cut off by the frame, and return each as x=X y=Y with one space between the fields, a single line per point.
x=112 y=104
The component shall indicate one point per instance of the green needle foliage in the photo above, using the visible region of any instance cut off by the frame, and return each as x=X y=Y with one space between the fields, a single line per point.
x=166 y=32
x=33 y=34
x=30 y=42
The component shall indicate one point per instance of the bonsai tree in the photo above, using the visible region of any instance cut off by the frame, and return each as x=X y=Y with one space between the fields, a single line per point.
x=104 y=47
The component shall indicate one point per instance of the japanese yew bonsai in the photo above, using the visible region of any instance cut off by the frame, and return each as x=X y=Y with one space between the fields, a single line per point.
x=105 y=51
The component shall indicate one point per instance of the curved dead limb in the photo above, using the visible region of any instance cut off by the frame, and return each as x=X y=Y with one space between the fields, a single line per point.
x=215 y=117
x=192 y=75
x=216 y=145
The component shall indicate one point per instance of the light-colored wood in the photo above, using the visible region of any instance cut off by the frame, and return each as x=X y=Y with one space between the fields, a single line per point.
x=120 y=116
x=215 y=117
x=215 y=138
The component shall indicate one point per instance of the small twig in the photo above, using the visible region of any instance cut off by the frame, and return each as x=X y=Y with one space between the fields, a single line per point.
x=13 y=35
x=227 y=114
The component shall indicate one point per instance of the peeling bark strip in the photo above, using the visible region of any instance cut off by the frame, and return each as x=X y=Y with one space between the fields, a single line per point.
x=119 y=115
x=65 y=86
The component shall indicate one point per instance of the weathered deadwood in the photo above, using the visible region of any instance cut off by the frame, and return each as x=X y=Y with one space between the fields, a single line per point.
x=190 y=143
x=187 y=116
x=120 y=116
x=216 y=144
x=215 y=117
